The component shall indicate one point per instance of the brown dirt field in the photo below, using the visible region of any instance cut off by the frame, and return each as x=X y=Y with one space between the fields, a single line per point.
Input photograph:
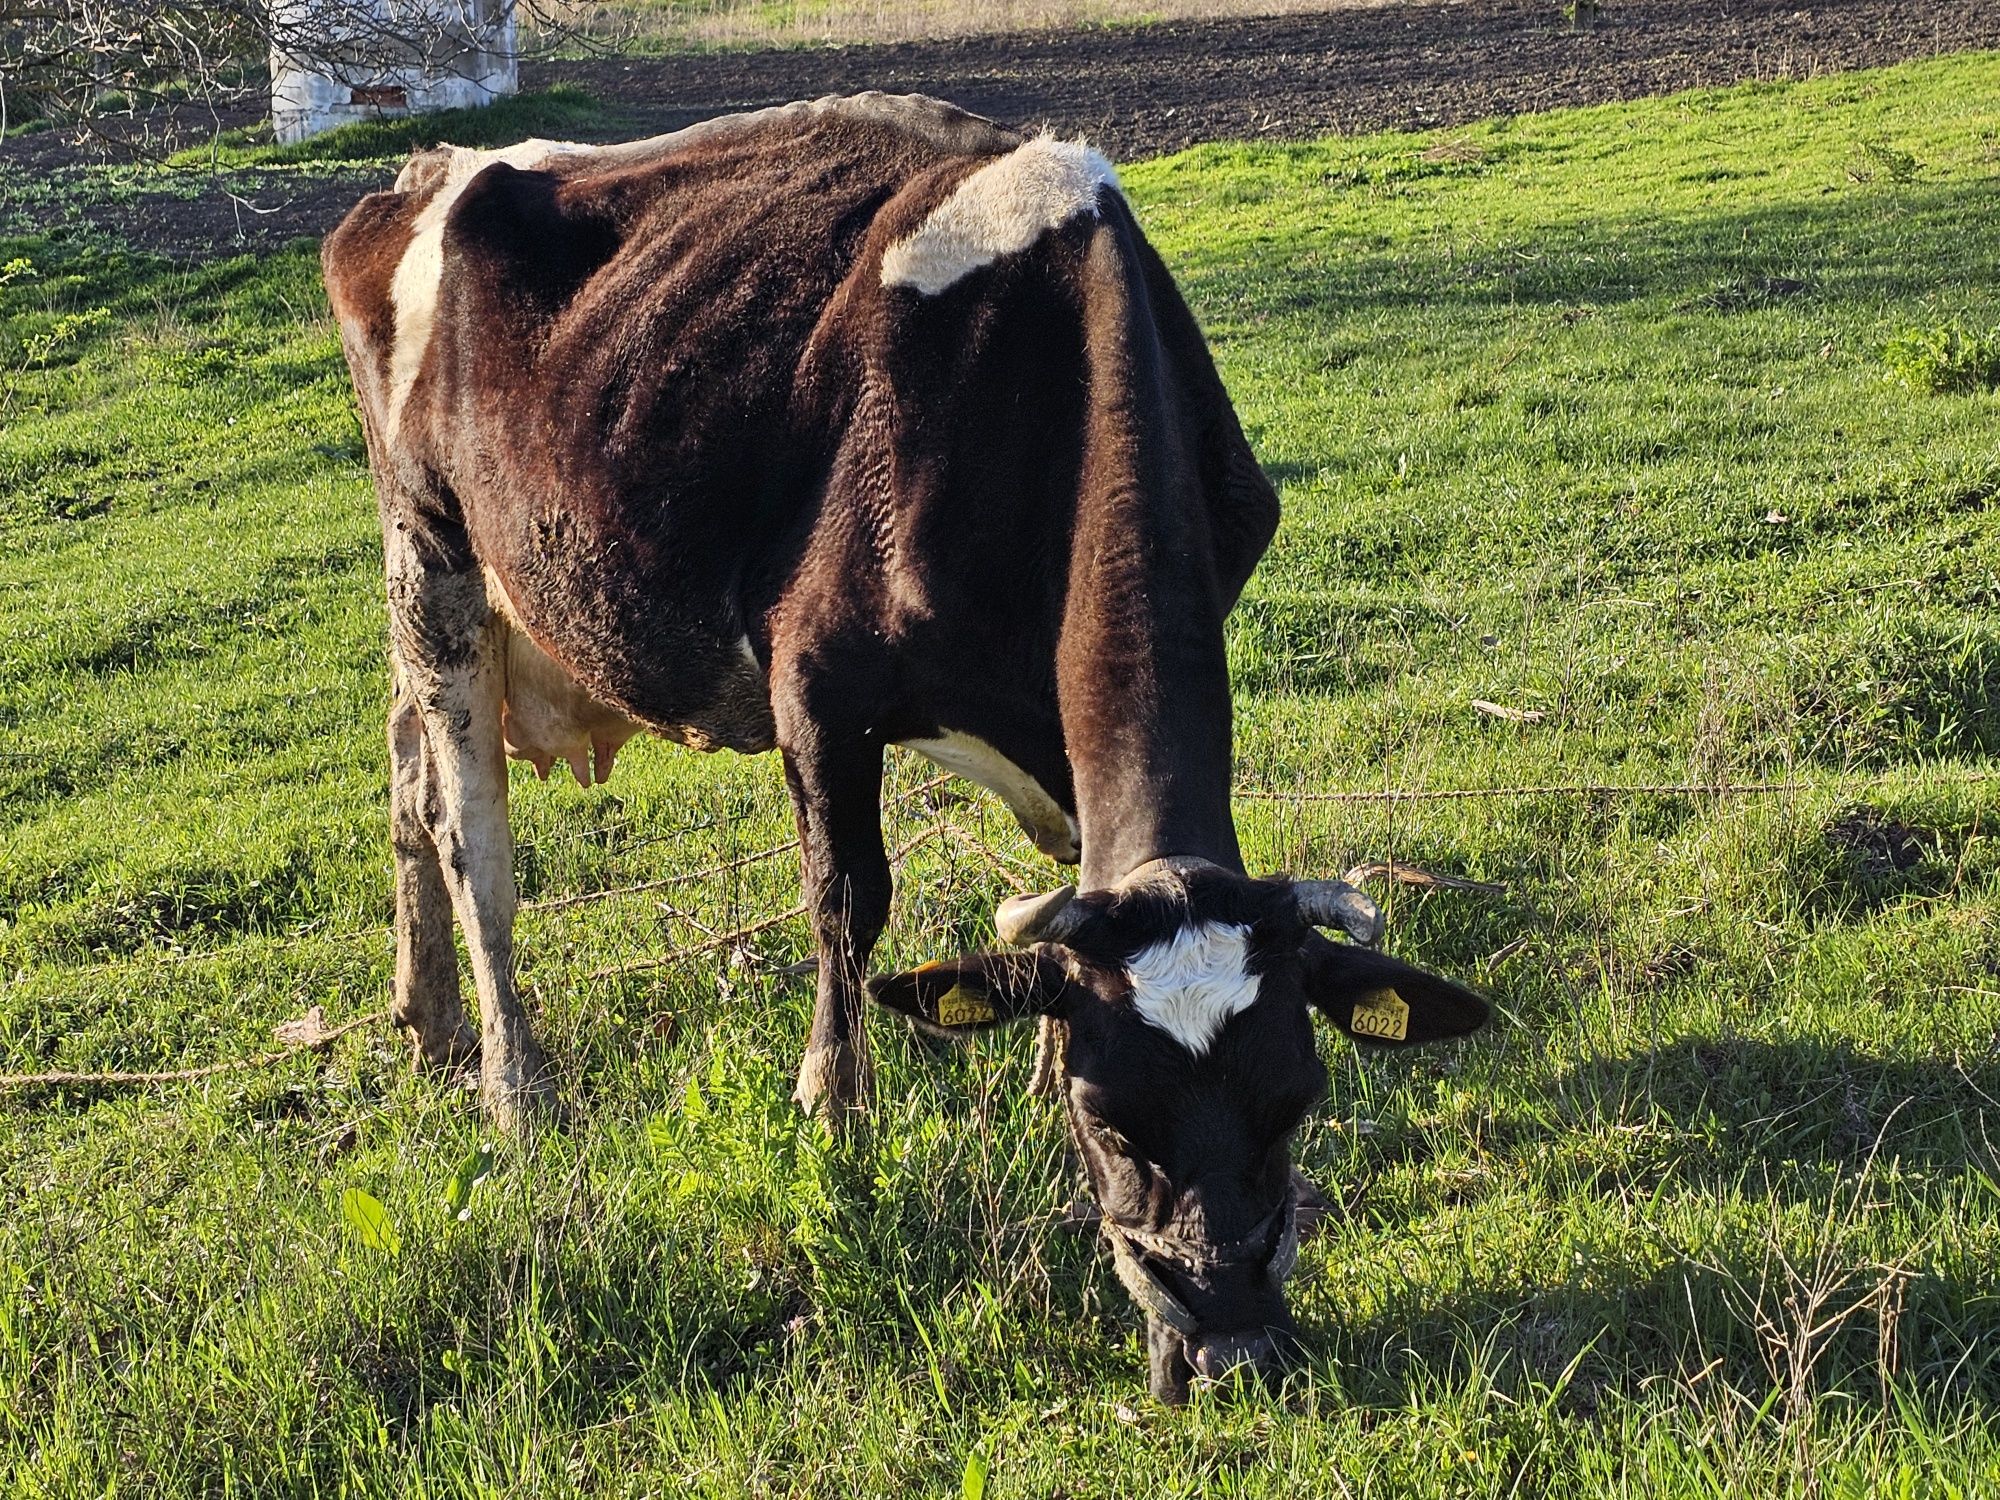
x=1145 y=90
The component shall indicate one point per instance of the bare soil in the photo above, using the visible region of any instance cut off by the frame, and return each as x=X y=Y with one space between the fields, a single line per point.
x=1145 y=90
x=1141 y=91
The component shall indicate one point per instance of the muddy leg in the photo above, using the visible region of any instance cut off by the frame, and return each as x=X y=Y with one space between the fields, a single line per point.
x=449 y=648
x=425 y=1000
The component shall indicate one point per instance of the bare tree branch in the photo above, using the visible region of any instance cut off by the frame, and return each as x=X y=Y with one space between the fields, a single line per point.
x=109 y=67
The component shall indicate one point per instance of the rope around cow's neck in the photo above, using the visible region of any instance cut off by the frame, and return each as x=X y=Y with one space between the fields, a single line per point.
x=1131 y=1244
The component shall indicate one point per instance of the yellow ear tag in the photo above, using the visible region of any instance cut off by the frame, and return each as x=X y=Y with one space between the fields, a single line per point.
x=959 y=1006
x=1384 y=1016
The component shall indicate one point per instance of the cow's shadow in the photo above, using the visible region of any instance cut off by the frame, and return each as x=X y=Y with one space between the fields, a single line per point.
x=1781 y=1173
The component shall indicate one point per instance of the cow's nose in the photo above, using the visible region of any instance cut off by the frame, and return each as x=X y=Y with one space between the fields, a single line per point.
x=1219 y=1355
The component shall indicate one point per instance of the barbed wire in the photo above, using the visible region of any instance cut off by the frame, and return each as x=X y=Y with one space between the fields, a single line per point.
x=1606 y=789
x=313 y=1038
x=316 y=1038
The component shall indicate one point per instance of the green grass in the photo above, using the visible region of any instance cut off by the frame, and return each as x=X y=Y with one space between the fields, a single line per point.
x=562 y=111
x=1587 y=413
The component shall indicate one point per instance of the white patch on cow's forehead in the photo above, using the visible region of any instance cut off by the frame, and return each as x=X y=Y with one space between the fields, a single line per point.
x=1001 y=209
x=1191 y=983
x=414 y=291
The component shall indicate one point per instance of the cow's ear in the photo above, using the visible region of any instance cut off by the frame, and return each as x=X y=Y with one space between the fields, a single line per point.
x=1384 y=1002
x=972 y=993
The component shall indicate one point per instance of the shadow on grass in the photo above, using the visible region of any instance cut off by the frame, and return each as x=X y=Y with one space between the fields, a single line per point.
x=1737 y=1322
x=621 y=1315
x=1865 y=244
x=1851 y=1152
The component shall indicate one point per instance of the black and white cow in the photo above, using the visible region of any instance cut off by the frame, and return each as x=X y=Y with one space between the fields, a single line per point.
x=847 y=424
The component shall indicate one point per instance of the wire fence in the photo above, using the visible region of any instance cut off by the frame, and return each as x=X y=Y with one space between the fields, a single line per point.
x=310 y=1034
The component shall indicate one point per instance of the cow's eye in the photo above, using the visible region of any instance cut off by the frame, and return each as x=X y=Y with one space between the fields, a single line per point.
x=1105 y=1136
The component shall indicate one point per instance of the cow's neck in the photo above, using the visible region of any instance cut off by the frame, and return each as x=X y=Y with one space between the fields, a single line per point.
x=1144 y=687
x=1140 y=671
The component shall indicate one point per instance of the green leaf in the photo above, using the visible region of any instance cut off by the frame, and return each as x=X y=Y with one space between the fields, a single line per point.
x=973 y=1485
x=696 y=1106
x=453 y=1361
x=473 y=1170
x=370 y=1220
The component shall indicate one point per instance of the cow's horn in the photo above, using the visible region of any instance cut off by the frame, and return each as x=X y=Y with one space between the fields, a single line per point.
x=1181 y=865
x=1023 y=920
x=1335 y=903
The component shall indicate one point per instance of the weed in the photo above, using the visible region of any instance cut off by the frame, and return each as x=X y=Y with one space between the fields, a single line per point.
x=69 y=329
x=1945 y=358
x=1878 y=157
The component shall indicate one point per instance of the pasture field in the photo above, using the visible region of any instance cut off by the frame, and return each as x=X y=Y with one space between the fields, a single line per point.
x=1589 y=415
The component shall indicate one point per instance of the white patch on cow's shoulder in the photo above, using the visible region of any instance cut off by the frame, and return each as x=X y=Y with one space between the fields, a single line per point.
x=1194 y=981
x=1054 y=831
x=414 y=291
x=1001 y=209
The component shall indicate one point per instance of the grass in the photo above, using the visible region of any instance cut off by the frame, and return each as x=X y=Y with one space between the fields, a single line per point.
x=1587 y=413
x=560 y=112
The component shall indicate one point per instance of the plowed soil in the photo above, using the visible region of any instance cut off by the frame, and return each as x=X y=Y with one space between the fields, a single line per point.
x=1144 y=90
x=1141 y=91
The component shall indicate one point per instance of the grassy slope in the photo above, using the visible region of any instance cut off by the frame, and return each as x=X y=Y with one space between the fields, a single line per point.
x=1582 y=413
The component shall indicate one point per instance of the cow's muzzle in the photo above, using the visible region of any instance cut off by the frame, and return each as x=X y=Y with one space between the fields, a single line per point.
x=1180 y=1347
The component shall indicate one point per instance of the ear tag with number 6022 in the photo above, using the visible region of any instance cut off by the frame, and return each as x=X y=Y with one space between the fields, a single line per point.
x=1384 y=1016
x=959 y=1006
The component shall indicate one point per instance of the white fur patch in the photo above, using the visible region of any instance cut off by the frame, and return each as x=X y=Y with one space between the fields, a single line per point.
x=414 y=291
x=1192 y=983
x=1054 y=831
x=1001 y=209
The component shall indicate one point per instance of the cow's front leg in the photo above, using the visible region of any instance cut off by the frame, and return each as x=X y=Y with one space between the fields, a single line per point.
x=425 y=1000
x=450 y=652
x=836 y=795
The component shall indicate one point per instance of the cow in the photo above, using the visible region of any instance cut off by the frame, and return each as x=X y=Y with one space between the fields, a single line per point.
x=844 y=424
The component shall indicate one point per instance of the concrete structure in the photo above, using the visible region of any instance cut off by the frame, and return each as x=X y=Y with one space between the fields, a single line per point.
x=337 y=61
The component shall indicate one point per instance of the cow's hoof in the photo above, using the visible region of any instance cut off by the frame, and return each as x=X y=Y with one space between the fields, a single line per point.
x=831 y=1084
x=443 y=1053
x=514 y=1087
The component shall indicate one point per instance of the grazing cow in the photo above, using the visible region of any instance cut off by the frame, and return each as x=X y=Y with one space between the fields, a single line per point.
x=846 y=424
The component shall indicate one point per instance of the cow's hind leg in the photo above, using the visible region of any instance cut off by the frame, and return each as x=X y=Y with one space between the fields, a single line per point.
x=836 y=795
x=426 y=998
x=450 y=654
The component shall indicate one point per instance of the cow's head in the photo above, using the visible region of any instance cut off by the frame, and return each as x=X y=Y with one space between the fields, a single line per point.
x=1190 y=1059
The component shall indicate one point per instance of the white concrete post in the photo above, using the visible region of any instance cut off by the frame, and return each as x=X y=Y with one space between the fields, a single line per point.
x=336 y=61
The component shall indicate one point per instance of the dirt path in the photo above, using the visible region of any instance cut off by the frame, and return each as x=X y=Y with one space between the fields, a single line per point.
x=1145 y=90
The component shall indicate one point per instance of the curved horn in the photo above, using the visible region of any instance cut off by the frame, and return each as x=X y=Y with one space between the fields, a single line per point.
x=1335 y=903
x=1024 y=920
x=1181 y=865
